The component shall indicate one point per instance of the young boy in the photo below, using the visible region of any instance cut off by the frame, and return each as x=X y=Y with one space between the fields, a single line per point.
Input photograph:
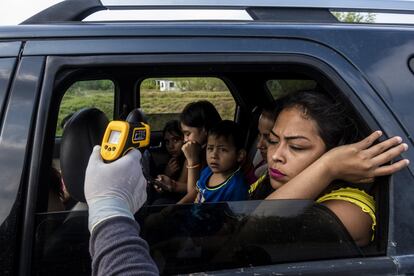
x=222 y=179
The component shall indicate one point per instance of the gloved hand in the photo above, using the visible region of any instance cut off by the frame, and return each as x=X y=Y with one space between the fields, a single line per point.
x=114 y=189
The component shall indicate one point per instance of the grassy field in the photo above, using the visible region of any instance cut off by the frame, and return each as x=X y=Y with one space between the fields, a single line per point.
x=159 y=106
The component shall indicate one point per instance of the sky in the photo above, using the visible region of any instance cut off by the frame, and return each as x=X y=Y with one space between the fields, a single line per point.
x=12 y=12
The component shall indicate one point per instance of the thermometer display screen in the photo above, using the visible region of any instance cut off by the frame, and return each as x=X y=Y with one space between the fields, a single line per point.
x=114 y=137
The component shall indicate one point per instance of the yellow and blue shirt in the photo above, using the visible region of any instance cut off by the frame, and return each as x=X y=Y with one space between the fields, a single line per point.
x=233 y=188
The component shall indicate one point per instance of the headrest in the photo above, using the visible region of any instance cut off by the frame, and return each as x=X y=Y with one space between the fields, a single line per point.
x=82 y=132
x=137 y=115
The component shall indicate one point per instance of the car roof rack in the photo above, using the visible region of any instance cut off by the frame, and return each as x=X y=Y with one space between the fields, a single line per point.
x=274 y=10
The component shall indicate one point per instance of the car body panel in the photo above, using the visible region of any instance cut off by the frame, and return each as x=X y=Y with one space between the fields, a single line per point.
x=15 y=138
x=344 y=52
x=346 y=40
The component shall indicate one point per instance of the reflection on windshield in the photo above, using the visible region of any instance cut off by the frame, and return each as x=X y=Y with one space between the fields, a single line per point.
x=205 y=237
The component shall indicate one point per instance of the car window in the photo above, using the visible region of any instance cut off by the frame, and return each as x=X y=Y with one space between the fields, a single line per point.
x=81 y=94
x=204 y=237
x=159 y=97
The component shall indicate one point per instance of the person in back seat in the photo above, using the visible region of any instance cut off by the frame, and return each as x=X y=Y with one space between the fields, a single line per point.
x=258 y=173
x=175 y=170
x=56 y=196
x=196 y=120
x=222 y=179
x=173 y=141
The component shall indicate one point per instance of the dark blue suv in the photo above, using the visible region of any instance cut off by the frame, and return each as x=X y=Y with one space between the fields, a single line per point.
x=54 y=65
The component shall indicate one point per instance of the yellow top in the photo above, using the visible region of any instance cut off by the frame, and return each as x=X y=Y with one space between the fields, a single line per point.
x=254 y=186
x=357 y=197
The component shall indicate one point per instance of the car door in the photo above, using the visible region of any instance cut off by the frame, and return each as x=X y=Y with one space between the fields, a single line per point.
x=259 y=54
x=20 y=82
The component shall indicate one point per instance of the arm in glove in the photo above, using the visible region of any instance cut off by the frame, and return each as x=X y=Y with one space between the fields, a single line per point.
x=114 y=189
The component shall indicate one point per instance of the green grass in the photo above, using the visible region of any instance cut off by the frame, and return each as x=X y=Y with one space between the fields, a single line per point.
x=159 y=106
x=174 y=102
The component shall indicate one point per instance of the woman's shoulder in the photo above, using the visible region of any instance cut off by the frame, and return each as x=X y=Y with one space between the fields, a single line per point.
x=347 y=201
x=351 y=194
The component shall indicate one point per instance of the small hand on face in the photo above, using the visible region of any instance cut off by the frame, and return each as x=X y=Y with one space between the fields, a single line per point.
x=192 y=150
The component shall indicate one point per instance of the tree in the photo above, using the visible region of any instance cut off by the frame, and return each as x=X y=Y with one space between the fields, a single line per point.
x=355 y=17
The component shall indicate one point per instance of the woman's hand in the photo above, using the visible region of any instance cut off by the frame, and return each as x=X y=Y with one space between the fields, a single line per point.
x=361 y=162
x=192 y=150
x=172 y=167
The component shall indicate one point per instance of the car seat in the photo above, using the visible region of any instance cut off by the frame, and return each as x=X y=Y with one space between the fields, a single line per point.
x=82 y=132
x=68 y=239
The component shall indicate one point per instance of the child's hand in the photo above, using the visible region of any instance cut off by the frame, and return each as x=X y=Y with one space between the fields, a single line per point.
x=192 y=151
x=172 y=167
x=166 y=184
x=361 y=162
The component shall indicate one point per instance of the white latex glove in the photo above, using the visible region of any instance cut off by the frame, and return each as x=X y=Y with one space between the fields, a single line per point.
x=114 y=189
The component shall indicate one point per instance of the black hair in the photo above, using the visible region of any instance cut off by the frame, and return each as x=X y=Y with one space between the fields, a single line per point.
x=229 y=130
x=335 y=124
x=200 y=114
x=173 y=127
x=269 y=112
x=55 y=183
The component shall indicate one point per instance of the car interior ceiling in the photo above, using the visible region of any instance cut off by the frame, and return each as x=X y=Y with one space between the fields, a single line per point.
x=241 y=81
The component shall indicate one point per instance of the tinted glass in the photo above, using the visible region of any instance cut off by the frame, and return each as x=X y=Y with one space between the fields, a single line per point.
x=61 y=244
x=205 y=237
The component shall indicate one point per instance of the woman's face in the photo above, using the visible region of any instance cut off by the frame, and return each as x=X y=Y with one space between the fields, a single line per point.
x=264 y=126
x=194 y=134
x=293 y=144
x=173 y=143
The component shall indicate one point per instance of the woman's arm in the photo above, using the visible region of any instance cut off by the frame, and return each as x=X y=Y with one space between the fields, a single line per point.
x=357 y=163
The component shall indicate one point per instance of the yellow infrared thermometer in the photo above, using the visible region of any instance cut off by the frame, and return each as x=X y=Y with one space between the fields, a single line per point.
x=122 y=136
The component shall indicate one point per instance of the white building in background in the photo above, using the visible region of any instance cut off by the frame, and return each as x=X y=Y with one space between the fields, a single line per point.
x=166 y=85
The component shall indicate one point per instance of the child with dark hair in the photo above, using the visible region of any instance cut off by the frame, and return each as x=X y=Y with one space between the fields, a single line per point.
x=258 y=172
x=173 y=141
x=174 y=171
x=223 y=180
x=196 y=120
x=201 y=115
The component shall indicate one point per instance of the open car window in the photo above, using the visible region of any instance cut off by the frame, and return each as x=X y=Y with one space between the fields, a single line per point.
x=206 y=237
